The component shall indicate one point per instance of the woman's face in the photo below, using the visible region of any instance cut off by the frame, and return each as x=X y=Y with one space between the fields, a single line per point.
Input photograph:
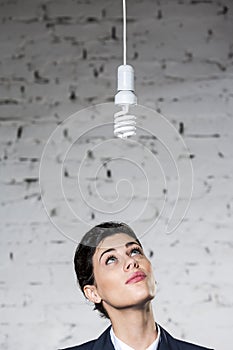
x=123 y=274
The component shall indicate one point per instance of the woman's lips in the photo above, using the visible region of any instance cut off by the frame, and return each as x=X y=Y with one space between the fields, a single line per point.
x=136 y=277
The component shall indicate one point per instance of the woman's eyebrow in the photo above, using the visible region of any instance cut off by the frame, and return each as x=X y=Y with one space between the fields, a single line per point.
x=131 y=243
x=106 y=251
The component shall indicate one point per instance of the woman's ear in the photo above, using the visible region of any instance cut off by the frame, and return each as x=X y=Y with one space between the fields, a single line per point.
x=91 y=293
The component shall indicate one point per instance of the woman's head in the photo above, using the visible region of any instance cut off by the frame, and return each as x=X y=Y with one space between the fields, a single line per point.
x=107 y=256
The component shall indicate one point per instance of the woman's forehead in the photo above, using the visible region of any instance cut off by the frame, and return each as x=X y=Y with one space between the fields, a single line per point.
x=116 y=240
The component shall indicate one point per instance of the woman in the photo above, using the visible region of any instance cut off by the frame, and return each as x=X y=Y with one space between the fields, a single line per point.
x=114 y=273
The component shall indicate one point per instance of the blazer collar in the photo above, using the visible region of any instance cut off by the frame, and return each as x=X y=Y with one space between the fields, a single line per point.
x=166 y=340
x=104 y=341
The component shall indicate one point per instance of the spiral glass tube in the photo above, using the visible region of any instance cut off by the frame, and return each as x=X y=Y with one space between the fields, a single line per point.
x=124 y=123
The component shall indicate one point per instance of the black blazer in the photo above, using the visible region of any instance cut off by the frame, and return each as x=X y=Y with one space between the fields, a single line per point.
x=167 y=342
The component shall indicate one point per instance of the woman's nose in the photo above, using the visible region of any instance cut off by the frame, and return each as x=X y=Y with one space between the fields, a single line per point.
x=130 y=263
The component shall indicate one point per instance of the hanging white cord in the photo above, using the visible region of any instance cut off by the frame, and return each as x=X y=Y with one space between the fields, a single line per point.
x=124 y=120
x=124 y=32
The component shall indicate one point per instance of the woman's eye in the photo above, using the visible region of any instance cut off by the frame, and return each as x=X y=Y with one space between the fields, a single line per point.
x=110 y=260
x=136 y=251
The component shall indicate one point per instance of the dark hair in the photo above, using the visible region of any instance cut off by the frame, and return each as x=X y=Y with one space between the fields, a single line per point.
x=83 y=262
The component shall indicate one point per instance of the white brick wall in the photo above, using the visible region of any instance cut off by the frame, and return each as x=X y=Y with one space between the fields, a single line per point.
x=182 y=52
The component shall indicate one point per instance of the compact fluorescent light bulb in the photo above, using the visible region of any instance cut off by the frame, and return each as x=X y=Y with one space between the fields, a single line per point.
x=124 y=122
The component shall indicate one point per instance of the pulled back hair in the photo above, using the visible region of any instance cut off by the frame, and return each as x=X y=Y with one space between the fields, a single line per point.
x=83 y=258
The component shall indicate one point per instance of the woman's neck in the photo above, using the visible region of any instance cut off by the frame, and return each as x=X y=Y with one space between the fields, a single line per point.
x=134 y=326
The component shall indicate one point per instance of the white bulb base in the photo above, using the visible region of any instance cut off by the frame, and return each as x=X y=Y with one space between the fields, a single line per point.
x=125 y=97
x=125 y=86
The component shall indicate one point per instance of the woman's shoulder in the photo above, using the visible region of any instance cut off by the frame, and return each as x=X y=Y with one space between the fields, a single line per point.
x=189 y=346
x=104 y=341
x=85 y=346
x=178 y=344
